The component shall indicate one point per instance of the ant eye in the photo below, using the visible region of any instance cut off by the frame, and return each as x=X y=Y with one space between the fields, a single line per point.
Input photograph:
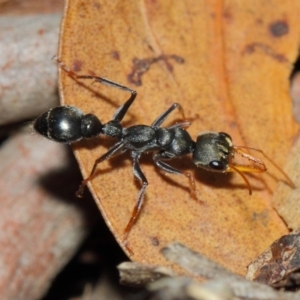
x=217 y=165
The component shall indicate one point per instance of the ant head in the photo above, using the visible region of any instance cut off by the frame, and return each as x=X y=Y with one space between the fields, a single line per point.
x=67 y=124
x=212 y=150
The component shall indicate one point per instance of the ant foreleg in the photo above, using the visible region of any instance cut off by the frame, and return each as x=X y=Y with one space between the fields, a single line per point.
x=138 y=173
x=118 y=146
x=122 y=110
x=164 y=115
x=157 y=158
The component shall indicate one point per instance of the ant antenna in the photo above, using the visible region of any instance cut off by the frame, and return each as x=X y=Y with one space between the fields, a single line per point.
x=237 y=168
x=238 y=149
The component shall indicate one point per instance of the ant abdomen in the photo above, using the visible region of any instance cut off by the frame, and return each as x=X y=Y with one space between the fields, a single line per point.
x=67 y=124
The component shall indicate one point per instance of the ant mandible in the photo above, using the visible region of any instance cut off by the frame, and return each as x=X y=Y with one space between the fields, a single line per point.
x=213 y=151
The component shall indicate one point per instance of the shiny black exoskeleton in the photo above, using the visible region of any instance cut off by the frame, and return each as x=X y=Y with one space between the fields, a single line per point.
x=67 y=124
x=213 y=151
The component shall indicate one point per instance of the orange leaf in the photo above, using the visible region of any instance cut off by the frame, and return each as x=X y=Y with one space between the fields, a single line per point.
x=233 y=77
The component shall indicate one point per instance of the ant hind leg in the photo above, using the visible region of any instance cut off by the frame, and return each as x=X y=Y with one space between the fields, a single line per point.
x=122 y=110
x=118 y=146
x=138 y=173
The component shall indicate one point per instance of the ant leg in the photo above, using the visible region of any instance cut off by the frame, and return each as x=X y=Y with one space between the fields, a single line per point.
x=183 y=125
x=164 y=115
x=138 y=173
x=157 y=158
x=105 y=156
x=122 y=110
x=238 y=149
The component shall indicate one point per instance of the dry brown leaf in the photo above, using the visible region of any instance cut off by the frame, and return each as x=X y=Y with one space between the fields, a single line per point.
x=235 y=79
x=286 y=201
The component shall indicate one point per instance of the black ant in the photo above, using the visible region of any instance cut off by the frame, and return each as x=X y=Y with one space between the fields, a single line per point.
x=213 y=151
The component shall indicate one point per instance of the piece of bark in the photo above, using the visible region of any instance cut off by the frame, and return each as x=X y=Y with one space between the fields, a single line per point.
x=199 y=265
x=223 y=285
x=25 y=7
x=185 y=288
x=164 y=284
x=42 y=223
x=136 y=274
x=279 y=265
x=28 y=78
